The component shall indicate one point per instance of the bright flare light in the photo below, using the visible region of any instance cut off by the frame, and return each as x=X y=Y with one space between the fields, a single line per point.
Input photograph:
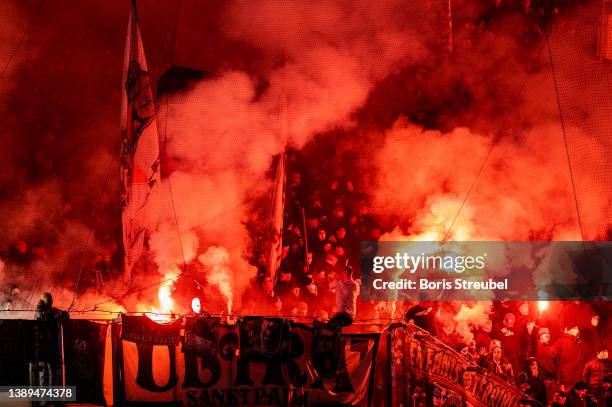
x=542 y=305
x=164 y=296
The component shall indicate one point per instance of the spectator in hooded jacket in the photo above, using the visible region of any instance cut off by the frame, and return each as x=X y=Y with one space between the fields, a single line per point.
x=596 y=371
x=570 y=350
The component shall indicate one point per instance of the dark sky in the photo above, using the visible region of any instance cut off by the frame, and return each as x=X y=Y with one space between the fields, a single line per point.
x=62 y=85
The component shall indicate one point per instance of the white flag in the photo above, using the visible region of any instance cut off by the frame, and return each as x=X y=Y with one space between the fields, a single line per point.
x=276 y=227
x=139 y=147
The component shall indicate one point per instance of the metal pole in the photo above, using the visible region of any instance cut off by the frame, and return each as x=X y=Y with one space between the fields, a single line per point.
x=450 y=26
x=305 y=239
x=389 y=368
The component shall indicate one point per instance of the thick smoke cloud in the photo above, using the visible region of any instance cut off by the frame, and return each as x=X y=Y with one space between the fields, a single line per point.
x=532 y=195
x=223 y=134
x=364 y=73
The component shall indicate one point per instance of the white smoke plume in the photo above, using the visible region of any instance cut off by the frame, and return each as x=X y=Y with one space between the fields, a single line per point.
x=217 y=263
x=224 y=132
x=471 y=318
x=426 y=174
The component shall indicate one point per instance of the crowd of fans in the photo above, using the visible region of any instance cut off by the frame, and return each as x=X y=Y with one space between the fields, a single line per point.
x=557 y=361
x=324 y=222
x=558 y=356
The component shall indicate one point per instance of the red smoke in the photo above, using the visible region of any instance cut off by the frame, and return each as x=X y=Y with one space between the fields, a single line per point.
x=368 y=89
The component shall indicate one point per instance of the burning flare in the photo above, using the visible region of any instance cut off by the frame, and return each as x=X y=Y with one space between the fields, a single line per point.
x=542 y=306
x=164 y=296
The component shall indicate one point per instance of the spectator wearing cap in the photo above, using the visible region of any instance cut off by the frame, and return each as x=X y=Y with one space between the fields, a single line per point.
x=496 y=362
x=545 y=354
x=530 y=381
x=510 y=340
x=595 y=371
x=577 y=396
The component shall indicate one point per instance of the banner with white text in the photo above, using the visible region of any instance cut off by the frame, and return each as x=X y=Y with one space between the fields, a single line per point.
x=435 y=375
x=259 y=362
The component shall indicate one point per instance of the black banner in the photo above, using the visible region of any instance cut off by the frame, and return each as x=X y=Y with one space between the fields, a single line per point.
x=325 y=349
x=266 y=337
x=84 y=345
x=16 y=350
x=24 y=343
x=201 y=336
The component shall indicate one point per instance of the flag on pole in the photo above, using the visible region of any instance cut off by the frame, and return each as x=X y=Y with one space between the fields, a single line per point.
x=139 y=147
x=278 y=199
x=276 y=227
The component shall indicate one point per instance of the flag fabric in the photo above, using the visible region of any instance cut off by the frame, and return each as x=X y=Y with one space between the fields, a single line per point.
x=139 y=147
x=151 y=362
x=276 y=230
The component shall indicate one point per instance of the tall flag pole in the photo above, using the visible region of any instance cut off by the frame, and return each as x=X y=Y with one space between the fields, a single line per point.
x=139 y=148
